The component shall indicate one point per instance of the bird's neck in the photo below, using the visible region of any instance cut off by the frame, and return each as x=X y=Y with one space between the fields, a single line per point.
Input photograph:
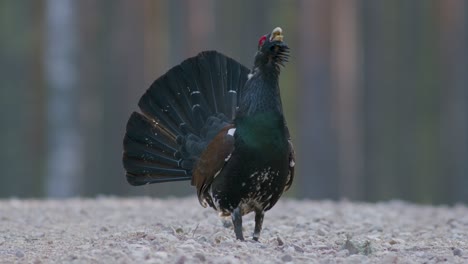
x=260 y=95
x=259 y=120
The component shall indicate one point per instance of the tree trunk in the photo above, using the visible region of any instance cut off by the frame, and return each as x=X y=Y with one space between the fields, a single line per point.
x=317 y=162
x=64 y=155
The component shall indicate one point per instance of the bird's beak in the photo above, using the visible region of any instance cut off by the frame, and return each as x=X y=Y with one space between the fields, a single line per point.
x=277 y=35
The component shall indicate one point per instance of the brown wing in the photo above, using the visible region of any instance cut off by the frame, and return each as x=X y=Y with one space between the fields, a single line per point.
x=211 y=162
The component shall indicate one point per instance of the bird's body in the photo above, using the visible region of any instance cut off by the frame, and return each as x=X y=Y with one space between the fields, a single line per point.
x=212 y=121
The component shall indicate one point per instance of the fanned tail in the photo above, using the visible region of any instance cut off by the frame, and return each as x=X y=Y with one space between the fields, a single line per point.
x=181 y=112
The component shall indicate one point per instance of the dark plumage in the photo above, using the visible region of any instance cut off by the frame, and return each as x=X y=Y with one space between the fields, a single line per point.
x=212 y=121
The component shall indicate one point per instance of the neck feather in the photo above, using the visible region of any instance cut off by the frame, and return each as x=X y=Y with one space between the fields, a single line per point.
x=260 y=94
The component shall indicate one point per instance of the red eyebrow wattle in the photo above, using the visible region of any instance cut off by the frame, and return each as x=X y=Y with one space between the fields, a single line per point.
x=261 y=41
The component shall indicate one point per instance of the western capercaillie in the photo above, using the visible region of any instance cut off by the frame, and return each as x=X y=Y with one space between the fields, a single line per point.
x=216 y=123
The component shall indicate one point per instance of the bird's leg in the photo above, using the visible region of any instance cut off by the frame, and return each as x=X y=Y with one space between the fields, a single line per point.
x=237 y=221
x=258 y=224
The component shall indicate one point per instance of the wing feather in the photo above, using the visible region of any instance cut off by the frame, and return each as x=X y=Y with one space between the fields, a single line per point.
x=212 y=161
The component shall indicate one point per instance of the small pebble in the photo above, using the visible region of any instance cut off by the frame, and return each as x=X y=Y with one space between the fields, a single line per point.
x=200 y=256
x=181 y=260
x=161 y=254
x=298 y=249
x=104 y=229
x=342 y=253
x=321 y=232
x=150 y=237
x=457 y=252
x=226 y=223
x=140 y=234
x=289 y=249
x=352 y=249
x=39 y=235
x=286 y=258
x=263 y=246
x=390 y=258
x=356 y=259
x=19 y=254
x=280 y=241
x=367 y=249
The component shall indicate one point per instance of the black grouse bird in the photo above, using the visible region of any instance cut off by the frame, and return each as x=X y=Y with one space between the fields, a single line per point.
x=212 y=121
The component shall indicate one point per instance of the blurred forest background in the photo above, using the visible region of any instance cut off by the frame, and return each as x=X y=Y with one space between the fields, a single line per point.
x=376 y=92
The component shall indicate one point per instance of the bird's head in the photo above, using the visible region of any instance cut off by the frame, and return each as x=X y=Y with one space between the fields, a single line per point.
x=272 y=51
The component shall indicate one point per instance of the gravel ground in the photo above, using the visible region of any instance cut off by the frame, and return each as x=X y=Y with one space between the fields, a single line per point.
x=145 y=230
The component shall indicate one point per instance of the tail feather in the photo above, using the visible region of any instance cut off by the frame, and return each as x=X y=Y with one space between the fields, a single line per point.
x=149 y=150
x=181 y=99
x=182 y=111
x=143 y=130
x=139 y=167
x=209 y=80
x=140 y=151
x=190 y=72
x=236 y=80
x=157 y=106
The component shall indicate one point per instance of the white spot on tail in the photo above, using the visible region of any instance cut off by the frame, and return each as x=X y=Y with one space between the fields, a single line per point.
x=250 y=75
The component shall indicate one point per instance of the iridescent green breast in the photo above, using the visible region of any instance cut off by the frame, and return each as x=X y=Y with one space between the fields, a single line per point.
x=263 y=132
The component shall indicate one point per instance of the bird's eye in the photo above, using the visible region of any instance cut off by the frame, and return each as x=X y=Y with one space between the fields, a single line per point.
x=261 y=41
